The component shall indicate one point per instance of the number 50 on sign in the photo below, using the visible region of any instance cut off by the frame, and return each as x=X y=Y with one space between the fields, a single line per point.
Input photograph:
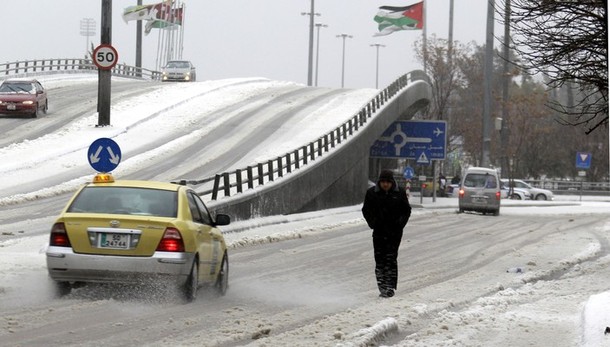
x=105 y=57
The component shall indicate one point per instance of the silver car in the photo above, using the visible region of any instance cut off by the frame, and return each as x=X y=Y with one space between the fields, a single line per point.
x=179 y=70
x=537 y=193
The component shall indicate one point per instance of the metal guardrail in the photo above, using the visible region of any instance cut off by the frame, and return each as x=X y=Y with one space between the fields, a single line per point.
x=227 y=183
x=250 y=177
x=569 y=187
x=71 y=65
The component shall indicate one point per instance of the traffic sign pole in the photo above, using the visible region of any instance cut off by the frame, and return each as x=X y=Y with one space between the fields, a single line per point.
x=104 y=75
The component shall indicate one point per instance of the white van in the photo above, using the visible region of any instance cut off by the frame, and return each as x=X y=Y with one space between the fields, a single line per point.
x=480 y=191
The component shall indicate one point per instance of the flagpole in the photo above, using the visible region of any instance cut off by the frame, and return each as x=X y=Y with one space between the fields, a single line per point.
x=425 y=40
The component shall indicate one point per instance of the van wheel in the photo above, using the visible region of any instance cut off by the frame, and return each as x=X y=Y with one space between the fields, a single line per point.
x=497 y=212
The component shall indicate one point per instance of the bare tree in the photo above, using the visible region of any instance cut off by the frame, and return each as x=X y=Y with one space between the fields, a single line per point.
x=567 y=41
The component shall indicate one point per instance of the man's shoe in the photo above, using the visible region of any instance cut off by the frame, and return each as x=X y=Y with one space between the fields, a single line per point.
x=387 y=293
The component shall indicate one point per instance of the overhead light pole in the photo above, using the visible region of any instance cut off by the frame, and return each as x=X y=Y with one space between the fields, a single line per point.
x=87 y=28
x=310 y=55
x=344 y=36
x=377 y=45
x=318 y=25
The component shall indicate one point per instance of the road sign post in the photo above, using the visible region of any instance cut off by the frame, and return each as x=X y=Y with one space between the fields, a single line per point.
x=106 y=56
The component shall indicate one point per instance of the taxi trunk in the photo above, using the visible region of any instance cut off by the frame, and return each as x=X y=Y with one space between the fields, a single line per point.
x=108 y=234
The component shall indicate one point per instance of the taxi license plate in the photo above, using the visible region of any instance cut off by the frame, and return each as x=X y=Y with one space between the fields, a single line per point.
x=116 y=241
x=11 y=107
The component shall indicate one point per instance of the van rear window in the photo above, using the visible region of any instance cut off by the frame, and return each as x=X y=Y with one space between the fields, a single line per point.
x=479 y=180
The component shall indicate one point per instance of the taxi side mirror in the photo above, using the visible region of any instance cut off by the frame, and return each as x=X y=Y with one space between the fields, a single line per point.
x=222 y=219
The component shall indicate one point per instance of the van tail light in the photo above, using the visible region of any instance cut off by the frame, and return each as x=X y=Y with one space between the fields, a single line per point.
x=461 y=193
x=498 y=195
x=59 y=236
x=171 y=241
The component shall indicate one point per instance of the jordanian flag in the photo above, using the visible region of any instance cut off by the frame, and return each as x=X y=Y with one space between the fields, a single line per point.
x=393 y=19
x=139 y=13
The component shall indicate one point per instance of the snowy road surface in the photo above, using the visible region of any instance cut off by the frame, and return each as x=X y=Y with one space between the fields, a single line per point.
x=308 y=281
x=302 y=280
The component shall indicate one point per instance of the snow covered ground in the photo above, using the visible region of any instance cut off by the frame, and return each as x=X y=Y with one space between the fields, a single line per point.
x=523 y=310
x=535 y=308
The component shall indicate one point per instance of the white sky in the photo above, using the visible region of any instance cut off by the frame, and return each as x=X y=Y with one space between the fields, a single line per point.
x=246 y=38
x=22 y=259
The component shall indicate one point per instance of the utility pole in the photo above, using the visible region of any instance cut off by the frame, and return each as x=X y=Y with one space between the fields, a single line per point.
x=487 y=84
x=344 y=36
x=377 y=45
x=311 y=13
x=318 y=25
x=104 y=76
x=139 y=44
x=504 y=132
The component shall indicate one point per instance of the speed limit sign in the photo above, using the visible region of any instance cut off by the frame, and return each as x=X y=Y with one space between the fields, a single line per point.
x=105 y=57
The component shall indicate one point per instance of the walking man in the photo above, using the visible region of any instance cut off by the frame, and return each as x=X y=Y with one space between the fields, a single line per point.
x=386 y=210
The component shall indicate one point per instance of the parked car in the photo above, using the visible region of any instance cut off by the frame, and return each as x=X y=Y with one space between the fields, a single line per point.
x=537 y=193
x=179 y=70
x=480 y=191
x=516 y=194
x=138 y=231
x=23 y=97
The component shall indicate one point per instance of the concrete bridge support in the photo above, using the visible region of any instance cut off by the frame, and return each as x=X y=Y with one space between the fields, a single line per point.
x=339 y=178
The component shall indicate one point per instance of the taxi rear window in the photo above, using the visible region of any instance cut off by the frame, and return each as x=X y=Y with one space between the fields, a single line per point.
x=126 y=200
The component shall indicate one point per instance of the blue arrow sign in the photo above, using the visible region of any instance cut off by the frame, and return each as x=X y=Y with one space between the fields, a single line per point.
x=407 y=139
x=583 y=160
x=408 y=173
x=104 y=155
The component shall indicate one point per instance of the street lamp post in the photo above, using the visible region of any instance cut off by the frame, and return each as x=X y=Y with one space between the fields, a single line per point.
x=310 y=55
x=344 y=36
x=318 y=25
x=87 y=28
x=377 y=45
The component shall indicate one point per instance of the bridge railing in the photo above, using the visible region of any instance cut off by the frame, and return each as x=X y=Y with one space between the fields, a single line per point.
x=232 y=182
x=71 y=65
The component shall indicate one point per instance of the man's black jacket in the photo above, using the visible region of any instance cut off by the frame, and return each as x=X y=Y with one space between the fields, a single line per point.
x=388 y=212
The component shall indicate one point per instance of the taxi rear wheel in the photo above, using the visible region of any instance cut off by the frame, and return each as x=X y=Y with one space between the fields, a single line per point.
x=189 y=290
x=222 y=281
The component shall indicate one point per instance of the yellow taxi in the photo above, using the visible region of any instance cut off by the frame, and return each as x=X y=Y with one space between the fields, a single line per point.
x=127 y=231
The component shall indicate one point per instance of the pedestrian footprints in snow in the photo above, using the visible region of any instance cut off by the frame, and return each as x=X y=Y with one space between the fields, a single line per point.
x=516 y=270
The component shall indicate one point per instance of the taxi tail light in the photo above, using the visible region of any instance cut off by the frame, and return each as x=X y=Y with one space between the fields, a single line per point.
x=59 y=236
x=171 y=241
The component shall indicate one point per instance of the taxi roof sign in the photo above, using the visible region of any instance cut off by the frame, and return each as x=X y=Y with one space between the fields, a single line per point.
x=103 y=178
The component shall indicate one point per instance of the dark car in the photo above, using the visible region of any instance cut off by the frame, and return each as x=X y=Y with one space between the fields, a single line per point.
x=23 y=97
